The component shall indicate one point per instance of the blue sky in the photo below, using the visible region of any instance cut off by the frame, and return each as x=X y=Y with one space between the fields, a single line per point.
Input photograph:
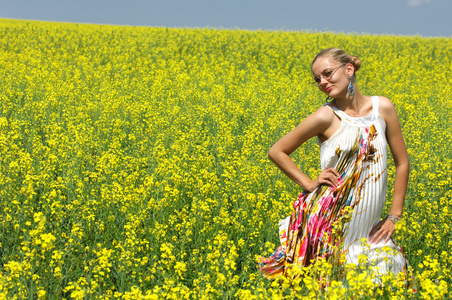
x=398 y=17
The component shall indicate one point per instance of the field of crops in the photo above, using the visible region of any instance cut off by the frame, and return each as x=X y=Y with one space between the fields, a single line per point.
x=134 y=160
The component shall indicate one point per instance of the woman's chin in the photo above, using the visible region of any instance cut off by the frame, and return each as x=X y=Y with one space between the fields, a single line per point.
x=333 y=95
x=330 y=95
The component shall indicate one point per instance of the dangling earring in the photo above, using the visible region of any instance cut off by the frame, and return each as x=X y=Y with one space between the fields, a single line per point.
x=351 y=88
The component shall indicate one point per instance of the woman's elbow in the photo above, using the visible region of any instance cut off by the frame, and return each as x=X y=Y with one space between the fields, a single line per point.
x=405 y=165
x=270 y=154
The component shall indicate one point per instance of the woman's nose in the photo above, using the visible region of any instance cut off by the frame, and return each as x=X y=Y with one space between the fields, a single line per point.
x=322 y=80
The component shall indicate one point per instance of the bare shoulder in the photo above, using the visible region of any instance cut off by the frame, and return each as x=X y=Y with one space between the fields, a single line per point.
x=324 y=115
x=388 y=112
x=386 y=108
x=317 y=122
x=385 y=103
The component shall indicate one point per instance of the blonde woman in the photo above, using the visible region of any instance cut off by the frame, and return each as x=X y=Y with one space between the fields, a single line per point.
x=353 y=131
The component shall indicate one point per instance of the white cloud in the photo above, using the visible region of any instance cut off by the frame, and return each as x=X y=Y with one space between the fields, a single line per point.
x=417 y=2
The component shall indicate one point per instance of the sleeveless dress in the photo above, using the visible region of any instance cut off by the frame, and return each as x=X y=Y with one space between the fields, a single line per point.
x=358 y=151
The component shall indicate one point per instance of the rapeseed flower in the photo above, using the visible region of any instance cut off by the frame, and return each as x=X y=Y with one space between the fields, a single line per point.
x=133 y=160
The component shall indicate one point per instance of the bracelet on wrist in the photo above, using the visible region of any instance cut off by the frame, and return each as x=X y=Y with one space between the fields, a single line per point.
x=393 y=218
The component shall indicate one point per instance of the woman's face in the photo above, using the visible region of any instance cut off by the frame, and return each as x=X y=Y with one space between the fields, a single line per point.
x=331 y=76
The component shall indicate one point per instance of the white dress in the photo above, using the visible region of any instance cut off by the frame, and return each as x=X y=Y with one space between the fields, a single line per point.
x=370 y=192
x=358 y=151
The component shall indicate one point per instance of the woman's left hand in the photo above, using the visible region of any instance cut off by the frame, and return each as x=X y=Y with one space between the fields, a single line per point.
x=384 y=228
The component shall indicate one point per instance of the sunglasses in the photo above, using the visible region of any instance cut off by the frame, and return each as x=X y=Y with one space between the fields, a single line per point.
x=327 y=74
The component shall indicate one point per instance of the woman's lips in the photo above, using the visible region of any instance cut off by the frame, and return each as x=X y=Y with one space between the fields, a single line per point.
x=328 y=89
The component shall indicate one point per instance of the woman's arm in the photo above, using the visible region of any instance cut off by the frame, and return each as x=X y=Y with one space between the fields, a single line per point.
x=316 y=124
x=401 y=160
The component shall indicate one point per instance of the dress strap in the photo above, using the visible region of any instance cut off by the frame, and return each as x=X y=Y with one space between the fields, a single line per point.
x=342 y=115
x=358 y=121
x=375 y=106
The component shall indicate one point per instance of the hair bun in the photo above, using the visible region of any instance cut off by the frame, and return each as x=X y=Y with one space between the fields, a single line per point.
x=356 y=62
x=340 y=56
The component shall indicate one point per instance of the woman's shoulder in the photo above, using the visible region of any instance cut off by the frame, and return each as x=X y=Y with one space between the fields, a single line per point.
x=319 y=121
x=324 y=114
x=321 y=118
x=385 y=104
x=386 y=108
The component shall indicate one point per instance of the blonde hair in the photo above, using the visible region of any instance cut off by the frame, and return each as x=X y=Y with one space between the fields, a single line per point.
x=340 y=56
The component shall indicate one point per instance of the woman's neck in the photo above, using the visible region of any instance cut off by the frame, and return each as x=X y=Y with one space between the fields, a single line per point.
x=352 y=104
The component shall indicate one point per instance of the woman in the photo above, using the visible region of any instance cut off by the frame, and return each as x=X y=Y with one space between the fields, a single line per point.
x=353 y=131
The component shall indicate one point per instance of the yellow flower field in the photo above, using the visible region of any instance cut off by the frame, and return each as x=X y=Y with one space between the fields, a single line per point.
x=134 y=160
